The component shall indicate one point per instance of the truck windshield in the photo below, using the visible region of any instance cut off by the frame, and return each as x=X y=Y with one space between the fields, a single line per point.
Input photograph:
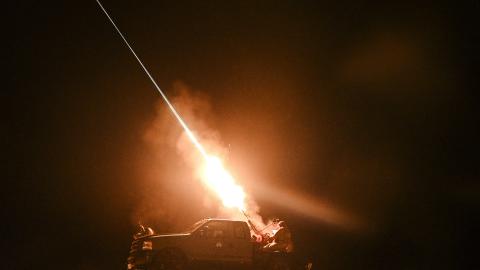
x=195 y=226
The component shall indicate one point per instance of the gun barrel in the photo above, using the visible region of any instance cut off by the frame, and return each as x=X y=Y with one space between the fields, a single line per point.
x=250 y=223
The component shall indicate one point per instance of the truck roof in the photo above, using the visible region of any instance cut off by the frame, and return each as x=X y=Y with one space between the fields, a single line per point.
x=224 y=219
x=205 y=220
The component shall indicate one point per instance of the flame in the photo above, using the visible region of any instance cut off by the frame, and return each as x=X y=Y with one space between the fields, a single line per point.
x=219 y=180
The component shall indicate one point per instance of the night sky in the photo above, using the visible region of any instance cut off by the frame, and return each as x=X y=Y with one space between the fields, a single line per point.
x=369 y=108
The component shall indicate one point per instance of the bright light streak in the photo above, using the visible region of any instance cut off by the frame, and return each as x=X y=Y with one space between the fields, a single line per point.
x=216 y=176
x=170 y=106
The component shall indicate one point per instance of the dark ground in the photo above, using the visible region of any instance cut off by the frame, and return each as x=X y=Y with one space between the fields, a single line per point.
x=370 y=107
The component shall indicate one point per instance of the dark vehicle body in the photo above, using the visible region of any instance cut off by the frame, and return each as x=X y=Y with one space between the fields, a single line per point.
x=207 y=241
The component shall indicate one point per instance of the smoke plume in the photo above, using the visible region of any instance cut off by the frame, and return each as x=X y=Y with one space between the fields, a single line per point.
x=173 y=195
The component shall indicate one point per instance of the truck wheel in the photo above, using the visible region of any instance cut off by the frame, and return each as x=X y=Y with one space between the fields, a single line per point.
x=169 y=260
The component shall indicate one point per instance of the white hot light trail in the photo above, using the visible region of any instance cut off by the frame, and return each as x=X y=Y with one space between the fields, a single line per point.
x=215 y=176
x=172 y=109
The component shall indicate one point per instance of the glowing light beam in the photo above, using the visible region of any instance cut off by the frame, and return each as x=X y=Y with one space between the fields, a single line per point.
x=216 y=177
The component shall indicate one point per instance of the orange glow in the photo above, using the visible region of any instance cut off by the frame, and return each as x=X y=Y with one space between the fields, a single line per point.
x=216 y=177
x=219 y=180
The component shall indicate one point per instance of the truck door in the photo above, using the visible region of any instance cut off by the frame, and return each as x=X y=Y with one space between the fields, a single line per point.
x=241 y=243
x=211 y=241
x=236 y=245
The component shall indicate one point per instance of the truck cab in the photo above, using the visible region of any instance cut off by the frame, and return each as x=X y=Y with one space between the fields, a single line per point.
x=209 y=240
x=220 y=240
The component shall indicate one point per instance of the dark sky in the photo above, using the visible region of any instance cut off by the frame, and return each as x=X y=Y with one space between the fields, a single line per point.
x=369 y=107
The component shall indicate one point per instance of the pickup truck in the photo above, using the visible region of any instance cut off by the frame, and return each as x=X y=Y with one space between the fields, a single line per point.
x=210 y=240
